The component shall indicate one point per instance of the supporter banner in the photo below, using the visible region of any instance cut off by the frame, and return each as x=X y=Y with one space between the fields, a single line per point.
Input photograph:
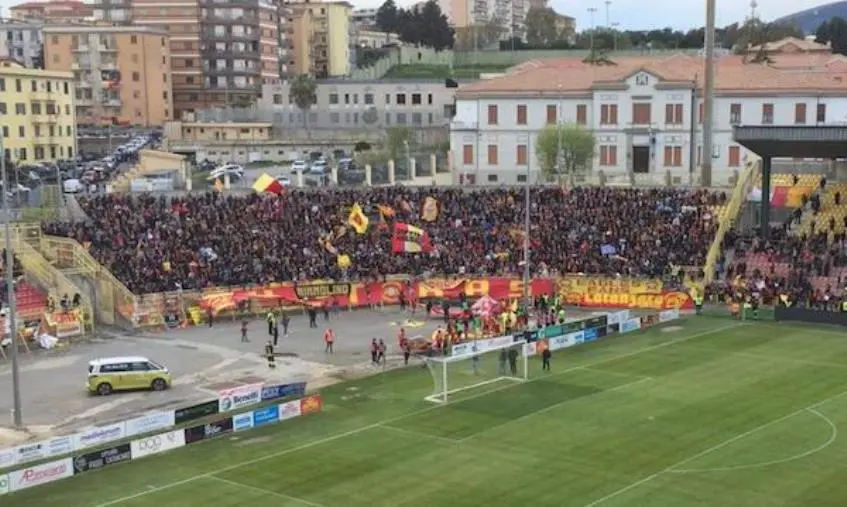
x=97 y=435
x=206 y=431
x=360 y=294
x=668 y=315
x=41 y=474
x=194 y=412
x=155 y=444
x=630 y=325
x=66 y=324
x=36 y=450
x=237 y=397
x=244 y=421
x=289 y=410
x=283 y=391
x=4 y=484
x=265 y=416
x=148 y=423
x=628 y=293
x=617 y=317
x=102 y=458
x=311 y=404
x=563 y=342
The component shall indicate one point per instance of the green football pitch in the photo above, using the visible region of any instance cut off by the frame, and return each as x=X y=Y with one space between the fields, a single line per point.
x=705 y=412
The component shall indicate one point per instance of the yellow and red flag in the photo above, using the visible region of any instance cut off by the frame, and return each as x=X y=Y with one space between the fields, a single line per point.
x=410 y=239
x=357 y=219
x=267 y=184
x=344 y=261
x=385 y=210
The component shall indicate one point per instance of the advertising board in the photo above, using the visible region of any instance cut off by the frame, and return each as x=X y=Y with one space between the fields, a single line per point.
x=102 y=458
x=265 y=416
x=551 y=332
x=630 y=325
x=243 y=421
x=154 y=444
x=478 y=346
x=283 y=390
x=563 y=342
x=37 y=475
x=7 y=457
x=198 y=411
x=530 y=349
x=33 y=451
x=4 y=484
x=668 y=315
x=150 y=422
x=97 y=435
x=589 y=335
x=206 y=431
x=649 y=321
x=617 y=317
x=595 y=322
x=238 y=397
x=311 y=404
x=289 y=410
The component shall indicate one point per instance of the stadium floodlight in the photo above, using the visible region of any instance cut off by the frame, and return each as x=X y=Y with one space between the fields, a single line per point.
x=475 y=368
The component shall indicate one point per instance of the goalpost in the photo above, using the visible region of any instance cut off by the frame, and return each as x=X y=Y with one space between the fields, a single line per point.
x=473 y=367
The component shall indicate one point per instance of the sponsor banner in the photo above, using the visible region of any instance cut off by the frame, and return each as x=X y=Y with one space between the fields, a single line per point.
x=4 y=484
x=478 y=346
x=283 y=391
x=265 y=416
x=649 y=321
x=563 y=342
x=194 y=412
x=617 y=317
x=37 y=475
x=36 y=450
x=97 y=435
x=551 y=332
x=7 y=458
x=206 y=431
x=289 y=410
x=243 y=421
x=589 y=335
x=601 y=292
x=238 y=397
x=149 y=423
x=668 y=315
x=102 y=458
x=311 y=404
x=613 y=328
x=154 y=444
x=630 y=325
x=594 y=322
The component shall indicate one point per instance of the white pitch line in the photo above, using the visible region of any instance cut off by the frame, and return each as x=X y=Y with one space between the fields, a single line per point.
x=361 y=429
x=714 y=448
x=263 y=491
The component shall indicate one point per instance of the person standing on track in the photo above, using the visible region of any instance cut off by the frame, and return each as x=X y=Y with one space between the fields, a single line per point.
x=407 y=351
x=329 y=339
x=271 y=320
x=545 y=359
x=269 y=355
x=380 y=353
x=374 y=350
x=285 y=321
x=244 y=338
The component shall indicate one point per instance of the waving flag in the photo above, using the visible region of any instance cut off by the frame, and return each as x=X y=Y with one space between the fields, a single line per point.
x=357 y=219
x=410 y=239
x=267 y=184
x=429 y=210
x=386 y=211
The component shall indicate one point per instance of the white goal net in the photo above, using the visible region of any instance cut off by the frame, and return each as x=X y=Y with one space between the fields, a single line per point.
x=471 y=367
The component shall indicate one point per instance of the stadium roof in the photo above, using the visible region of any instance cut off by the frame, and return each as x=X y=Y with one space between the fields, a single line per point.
x=828 y=141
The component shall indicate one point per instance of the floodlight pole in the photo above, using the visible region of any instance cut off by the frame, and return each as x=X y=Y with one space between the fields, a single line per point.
x=9 y=269
x=527 y=294
x=709 y=94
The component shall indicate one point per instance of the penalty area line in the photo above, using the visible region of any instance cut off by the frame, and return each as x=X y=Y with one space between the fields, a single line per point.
x=263 y=491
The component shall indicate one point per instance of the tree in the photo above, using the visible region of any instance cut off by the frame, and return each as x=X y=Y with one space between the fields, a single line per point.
x=397 y=139
x=387 y=17
x=834 y=33
x=574 y=146
x=303 y=89
x=541 y=27
x=425 y=26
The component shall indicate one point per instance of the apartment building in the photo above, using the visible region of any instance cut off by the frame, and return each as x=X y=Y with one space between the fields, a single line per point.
x=222 y=51
x=327 y=30
x=646 y=113
x=121 y=73
x=57 y=11
x=21 y=41
x=365 y=18
x=511 y=14
x=37 y=107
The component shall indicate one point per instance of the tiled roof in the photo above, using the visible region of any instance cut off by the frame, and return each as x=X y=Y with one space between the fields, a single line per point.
x=823 y=73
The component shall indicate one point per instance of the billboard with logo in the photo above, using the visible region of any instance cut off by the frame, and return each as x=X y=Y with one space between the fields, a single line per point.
x=206 y=431
x=630 y=325
x=4 y=484
x=283 y=390
x=194 y=412
x=97 y=435
x=148 y=423
x=37 y=475
x=242 y=422
x=34 y=451
x=155 y=444
x=102 y=458
x=265 y=416
x=289 y=410
x=238 y=397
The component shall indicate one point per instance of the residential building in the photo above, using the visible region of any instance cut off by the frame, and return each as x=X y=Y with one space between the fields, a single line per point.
x=183 y=132
x=222 y=53
x=374 y=39
x=327 y=28
x=646 y=113
x=364 y=18
x=511 y=14
x=122 y=73
x=37 y=108
x=57 y=11
x=792 y=45
x=565 y=27
x=22 y=41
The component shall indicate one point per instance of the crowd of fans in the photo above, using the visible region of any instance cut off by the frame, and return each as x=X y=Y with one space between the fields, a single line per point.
x=157 y=243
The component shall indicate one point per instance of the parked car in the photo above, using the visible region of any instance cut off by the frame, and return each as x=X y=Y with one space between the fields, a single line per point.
x=283 y=180
x=126 y=373
x=299 y=166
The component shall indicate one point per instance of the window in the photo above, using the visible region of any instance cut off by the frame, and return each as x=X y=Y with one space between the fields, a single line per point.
x=673 y=114
x=35 y=107
x=51 y=108
x=735 y=114
x=416 y=99
x=492 y=114
x=552 y=116
x=369 y=98
x=3 y=109
x=492 y=154
x=136 y=77
x=429 y=98
x=609 y=114
x=22 y=131
x=767 y=114
x=673 y=156
x=800 y=114
x=700 y=112
x=492 y=178
x=641 y=114
x=334 y=118
x=521 y=113
x=133 y=39
x=34 y=85
x=277 y=98
x=581 y=114
x=467 y=154
x=333 y=99
x=821 y=116
x=734 y=156
x=189 y=62
x=39 y=152
x=521 y=178
x=2 y=84
x=608 y=155
x=22 y=154
x=387 y=99
x=521 y=155
x=400 y=99
x=49 y=86
x=18 y=86
x=20 y=108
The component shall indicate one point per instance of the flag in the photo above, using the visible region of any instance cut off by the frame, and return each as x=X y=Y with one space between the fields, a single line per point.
x=219 y=186
x=357 y=219
x=385 y=210
x=410 y=239
x=266 y=183
x=429 y=210
x=344 y=261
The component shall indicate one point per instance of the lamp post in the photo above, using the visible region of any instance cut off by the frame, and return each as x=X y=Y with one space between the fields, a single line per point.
x=591 y=11
x=8 y=270
x=527 y=295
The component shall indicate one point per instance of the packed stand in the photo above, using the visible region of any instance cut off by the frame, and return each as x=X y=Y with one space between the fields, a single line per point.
x=154 y=243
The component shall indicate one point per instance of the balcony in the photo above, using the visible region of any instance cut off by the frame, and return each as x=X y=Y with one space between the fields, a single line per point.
x=112 y=102
x=82 y=48
x=103 y=48
x=108 y=66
